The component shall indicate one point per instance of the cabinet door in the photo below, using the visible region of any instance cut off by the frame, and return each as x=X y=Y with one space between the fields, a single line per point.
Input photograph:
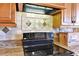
x=63 y=41
x=67 y=15
x=56 y=39
x=57 y=20
x=76 y=17
x=7 y=14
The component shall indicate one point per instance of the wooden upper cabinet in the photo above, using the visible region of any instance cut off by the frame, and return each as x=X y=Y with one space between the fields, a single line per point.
x=76 y=14
x=7 y=14
x=71 y=14
x=57 y=17
x=67 y=16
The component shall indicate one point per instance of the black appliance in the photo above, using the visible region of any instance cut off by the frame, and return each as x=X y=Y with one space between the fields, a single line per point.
x=38 y=44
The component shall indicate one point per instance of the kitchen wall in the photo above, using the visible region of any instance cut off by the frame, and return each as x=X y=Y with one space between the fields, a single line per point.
x=12 y=32
x=16 y=32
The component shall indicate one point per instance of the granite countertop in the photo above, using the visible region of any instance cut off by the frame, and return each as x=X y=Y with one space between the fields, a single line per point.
x=10 y=43
x=7 y=44
x=11 y=47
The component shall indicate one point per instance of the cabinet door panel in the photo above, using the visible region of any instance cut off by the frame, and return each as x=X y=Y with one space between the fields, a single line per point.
x=77 y=14
x=67 y=15
x=63 y=39
x=7 y=12
x=57 y=20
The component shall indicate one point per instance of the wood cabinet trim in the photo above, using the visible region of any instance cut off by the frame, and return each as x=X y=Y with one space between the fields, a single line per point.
x=51 y=5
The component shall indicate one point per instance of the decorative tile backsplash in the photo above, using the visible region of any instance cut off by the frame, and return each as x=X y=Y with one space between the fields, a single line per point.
x=5 y=29
x=2 y=35
x=36 y=23
x=7 y=33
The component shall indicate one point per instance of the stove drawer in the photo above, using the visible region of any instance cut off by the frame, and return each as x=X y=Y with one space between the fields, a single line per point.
x=37 y=48
x=36 y=42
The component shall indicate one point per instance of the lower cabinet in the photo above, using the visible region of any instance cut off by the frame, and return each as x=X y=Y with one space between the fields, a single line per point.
x=56 y=39
x=62 y=39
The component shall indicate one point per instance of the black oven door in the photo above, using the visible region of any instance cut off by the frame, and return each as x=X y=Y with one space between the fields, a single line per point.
x=35 y=45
